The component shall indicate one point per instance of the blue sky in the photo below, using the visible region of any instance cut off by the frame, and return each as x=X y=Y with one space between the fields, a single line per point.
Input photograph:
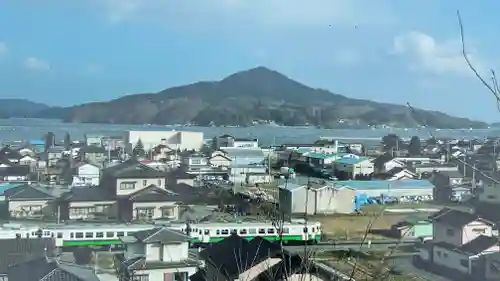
x=67 y=52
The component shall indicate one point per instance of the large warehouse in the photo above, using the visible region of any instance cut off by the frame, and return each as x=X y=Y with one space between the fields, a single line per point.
x=397 y=189
x=174 y=139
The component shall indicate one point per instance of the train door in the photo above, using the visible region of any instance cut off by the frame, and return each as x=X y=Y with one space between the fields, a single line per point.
x=205 y=235
x=305 y=233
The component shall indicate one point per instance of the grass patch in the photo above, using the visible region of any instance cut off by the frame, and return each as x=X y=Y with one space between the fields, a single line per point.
x=354 y=226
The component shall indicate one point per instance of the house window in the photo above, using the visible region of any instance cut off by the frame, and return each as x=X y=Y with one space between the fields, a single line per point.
x=144 y=213
x=464 y=263
x=167 y=212
x=450 y=232
x=479 y=230
x=445 y=255
x=142 y=277
x=127 y=185
x=438 y=253
x=195 y=161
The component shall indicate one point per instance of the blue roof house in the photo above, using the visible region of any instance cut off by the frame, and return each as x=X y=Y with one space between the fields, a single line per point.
x=353 y=165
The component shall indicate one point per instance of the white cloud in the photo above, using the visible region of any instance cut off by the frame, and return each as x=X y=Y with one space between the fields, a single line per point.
x=425 y=53
x=4 y=50
x=93 y=68
x=36 y=64
x=255 y=13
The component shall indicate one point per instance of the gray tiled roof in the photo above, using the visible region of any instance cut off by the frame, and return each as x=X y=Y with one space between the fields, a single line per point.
x=51 y=270
x=13 y=251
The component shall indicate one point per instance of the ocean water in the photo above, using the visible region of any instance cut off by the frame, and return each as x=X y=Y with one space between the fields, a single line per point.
x=26 y=129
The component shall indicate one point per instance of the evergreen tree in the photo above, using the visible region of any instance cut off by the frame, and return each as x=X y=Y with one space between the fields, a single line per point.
x=415 y=148
x=67 y=141
x=138 y=149
x=50 y=140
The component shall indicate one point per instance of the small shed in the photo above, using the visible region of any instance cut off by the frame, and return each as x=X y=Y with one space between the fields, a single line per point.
x=413 y=227
x=293 y=198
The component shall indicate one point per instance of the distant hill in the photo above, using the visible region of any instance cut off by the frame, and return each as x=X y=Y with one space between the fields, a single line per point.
x=20 y=108
x=247 y=96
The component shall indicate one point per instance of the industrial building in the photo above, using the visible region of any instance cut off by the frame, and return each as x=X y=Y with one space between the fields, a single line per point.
x=395 y=189
x=173 y=139
x=316 y=199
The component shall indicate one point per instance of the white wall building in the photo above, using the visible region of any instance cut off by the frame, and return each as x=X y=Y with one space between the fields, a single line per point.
x=182 y=140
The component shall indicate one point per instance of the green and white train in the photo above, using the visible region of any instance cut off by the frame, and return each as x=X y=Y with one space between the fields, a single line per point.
x=105 y=235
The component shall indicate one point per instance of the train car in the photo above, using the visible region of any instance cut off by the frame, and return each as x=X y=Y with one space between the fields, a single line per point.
x=206 y=233
x=107 y=235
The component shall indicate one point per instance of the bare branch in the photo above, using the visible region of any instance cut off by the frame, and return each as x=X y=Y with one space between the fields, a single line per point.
x=492 y=88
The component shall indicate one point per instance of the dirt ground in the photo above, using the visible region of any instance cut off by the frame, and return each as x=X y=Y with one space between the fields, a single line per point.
x=354 y=226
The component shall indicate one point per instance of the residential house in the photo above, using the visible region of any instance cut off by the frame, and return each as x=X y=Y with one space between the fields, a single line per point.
x=245 y=161
x=317 y=198
x=28 y=201
x=156 y=254
x=162 y=152
x=452 y=178
x=459 y=227
x=92 y=139
x=467 y=258
x=9 y=155
x=28 y=160
x=18 y=250
x=54 y=154
x=50 y=268
x=87 y=174
x=195 y=162
x=88 y=203
x=386 y=162
x=219 y=159
x=93 y=154
x=257 y=259
x=140 y=191
x=227 y=141
x=28 y=150
x=353 y=166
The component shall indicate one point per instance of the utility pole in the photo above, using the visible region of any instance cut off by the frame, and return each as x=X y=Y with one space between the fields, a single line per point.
x=474 y=176
x=465 y=166
x=306 y=229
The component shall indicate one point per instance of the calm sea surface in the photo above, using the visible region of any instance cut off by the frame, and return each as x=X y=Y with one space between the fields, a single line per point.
x=25 y=129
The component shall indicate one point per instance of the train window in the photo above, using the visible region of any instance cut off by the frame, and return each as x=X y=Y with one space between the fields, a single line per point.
x=72 y=235
x=59 y=235
x=262 y=231
x=270 y=230
x=89 y=235
x=120 y=234
x=225 y=231
x=243 y=231
x=110 y=234
x=79 y=235
x=207 y=231
x=46 y=233
x=305 y=229
x=200 y=232
x=252 y=231
x=217 y=232
x=286 y=230
x=18 y=236
x=125 y=233
x=99 y=234
x=234 y=231
x=32 y=233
